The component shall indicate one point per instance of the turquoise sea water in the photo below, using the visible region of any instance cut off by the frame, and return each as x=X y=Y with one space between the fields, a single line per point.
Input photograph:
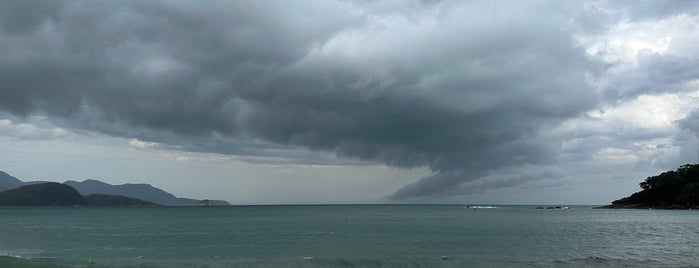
x=347 y=236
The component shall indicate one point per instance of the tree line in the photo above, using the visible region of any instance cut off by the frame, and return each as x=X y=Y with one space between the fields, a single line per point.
x=672 y=188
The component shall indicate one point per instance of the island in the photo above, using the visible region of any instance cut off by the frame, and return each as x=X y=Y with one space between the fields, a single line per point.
x=677 y=189
x=59 y=194
x=102 y=200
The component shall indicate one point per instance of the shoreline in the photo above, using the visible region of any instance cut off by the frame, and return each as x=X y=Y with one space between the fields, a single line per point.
x=644 y=206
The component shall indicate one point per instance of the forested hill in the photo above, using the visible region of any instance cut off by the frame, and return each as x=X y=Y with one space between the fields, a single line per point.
x=44 y=194
x=58 y=194
x=677 y=189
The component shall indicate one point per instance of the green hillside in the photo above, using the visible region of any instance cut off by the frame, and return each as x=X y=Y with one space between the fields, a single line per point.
x=677 y=189
x=44 y=194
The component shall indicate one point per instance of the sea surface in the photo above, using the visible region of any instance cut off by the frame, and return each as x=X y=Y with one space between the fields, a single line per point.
x=347 y=236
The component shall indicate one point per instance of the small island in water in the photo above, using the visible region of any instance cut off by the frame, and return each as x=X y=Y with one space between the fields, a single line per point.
x=677 y=189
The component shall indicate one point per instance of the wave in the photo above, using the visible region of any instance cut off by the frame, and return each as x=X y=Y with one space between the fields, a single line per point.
x=600 y=261
x=438 y=261
x=24 y=262
x=19 y=262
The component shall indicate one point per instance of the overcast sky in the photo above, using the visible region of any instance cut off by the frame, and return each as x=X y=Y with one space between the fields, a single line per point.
x=352 y=101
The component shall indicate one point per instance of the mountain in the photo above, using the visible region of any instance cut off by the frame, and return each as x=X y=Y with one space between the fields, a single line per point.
x=8 y=182
x=57 y=194
x=677 y=189
x=45 y=194
x=145 y=192
x=115 y=200
x=140 y=191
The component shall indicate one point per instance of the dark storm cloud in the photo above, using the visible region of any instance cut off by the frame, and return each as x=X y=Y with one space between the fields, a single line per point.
x=19 y=16
x=461 y=88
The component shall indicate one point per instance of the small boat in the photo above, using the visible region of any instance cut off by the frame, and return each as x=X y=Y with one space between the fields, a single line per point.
x=479 y=206
x=556 y=207
x=205 y=202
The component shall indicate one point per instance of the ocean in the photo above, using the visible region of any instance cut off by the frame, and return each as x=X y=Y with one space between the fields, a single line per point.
x=347 y=236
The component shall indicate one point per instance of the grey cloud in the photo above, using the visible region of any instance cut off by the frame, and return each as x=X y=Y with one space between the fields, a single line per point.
x=464 y=88
x=442 y=183
x=649 y=72
x=19 y=16
x=688 y=139
x=656 y=73
x=31 y=129
x=459 y=183
x=691 y=123
x=649 y=9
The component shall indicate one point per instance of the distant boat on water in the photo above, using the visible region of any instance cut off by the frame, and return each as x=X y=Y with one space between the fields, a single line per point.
x=205 y=202
x=479 y=206
x=554 y=207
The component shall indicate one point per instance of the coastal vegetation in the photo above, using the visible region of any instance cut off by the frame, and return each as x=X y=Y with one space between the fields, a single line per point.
x=116 y=200
x=43 y=194
x=676 y=189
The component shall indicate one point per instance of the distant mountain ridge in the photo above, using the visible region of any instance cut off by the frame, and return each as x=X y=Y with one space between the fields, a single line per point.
x=141 y=191
x=8 y=182
x=116 y=200
x=59 y=194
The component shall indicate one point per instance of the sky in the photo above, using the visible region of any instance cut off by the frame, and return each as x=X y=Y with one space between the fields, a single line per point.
x=352 y=101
